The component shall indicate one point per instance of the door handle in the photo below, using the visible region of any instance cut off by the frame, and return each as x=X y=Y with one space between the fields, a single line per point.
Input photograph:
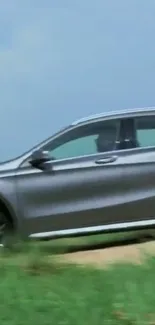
x=106 y=160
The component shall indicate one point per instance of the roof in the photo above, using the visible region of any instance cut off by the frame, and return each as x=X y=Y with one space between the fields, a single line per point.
x=114 y=114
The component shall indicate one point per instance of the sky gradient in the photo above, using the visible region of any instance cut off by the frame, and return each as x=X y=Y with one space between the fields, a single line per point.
x=64 y=59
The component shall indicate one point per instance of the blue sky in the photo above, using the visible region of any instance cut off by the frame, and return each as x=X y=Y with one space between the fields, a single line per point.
x=64 y=59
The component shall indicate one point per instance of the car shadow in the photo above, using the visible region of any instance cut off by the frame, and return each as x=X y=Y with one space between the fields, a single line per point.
x=72 y=248
x=110 y=244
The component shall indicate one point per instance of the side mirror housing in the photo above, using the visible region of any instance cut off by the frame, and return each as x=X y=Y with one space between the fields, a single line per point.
x=38 y=158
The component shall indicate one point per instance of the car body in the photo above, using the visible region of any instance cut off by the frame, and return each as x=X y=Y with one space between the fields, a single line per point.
x=96 y=175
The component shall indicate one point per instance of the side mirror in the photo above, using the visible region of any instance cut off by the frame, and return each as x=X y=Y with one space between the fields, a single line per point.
x=39 y=157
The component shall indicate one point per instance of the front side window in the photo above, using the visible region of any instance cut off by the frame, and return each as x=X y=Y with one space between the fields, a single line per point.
x=85 y=140
x=145 y=131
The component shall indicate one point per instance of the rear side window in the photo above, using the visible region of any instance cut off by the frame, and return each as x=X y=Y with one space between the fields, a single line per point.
x=145 y=131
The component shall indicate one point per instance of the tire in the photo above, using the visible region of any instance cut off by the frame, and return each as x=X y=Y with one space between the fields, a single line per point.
x=6 y=232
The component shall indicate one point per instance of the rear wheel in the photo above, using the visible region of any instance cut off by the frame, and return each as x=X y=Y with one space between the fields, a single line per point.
x=6 y=231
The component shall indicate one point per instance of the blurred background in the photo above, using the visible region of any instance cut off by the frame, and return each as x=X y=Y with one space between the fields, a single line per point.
x=64 y=59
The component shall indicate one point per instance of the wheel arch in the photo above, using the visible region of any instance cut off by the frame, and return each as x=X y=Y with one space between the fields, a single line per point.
x=6 y=207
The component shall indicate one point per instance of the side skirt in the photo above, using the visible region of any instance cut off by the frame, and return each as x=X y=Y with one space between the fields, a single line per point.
x=125 y=226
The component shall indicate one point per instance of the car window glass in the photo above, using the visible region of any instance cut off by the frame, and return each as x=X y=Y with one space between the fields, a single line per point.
x=86 y=140
x=145 y=131
x=78 y=147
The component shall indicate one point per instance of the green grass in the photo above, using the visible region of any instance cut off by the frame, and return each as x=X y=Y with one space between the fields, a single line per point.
x=68 y=295
x=38 y=290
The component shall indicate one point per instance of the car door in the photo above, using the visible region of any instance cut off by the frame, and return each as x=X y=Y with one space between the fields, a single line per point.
x=138 y=170
x=81 y=188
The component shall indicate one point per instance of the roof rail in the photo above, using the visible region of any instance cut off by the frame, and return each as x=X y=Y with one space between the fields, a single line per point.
x=113 y=113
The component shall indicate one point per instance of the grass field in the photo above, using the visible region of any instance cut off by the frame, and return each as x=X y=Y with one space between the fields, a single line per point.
x=38 y=291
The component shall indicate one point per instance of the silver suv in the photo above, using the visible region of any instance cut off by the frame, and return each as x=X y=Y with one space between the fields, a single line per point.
x=96 y=175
